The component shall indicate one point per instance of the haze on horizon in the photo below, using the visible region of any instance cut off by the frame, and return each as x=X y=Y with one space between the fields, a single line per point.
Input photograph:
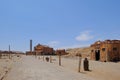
x=57 y=23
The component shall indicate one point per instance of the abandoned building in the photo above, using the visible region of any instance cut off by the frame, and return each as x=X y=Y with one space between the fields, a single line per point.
x=43 y=50
x=61 y=51
x=108 y=50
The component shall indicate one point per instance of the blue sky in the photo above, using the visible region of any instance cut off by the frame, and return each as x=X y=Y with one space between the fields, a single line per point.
x=57 y=23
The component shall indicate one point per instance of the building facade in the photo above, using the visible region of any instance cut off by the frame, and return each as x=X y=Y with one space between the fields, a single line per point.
x=108 y=50
x=43 y=50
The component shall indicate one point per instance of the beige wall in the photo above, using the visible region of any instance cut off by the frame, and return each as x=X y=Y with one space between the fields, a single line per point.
x=108 y=54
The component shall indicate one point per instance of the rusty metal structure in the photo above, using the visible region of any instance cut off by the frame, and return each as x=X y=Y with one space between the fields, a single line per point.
x=108 y=50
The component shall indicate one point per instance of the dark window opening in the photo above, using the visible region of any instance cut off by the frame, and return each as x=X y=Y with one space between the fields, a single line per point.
x=92 y=50
x=114 y=49
x=103 y=49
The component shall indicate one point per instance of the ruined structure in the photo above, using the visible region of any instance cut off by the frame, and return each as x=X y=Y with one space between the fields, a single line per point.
x=108 y=50
x=61 y=51
x=43 y=50
x=30 y=52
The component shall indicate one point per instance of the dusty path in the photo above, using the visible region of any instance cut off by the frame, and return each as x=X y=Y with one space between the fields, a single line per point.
x=29 y=68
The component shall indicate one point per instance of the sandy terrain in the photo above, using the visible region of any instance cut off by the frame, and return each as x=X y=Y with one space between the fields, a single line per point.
x=31 y=68
x=6 y=65
x=99 y=70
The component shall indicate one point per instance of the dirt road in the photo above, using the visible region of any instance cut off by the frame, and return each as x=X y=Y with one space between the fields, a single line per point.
x=30 y=68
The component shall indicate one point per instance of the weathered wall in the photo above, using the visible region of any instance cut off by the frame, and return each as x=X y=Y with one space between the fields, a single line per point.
x=109 y=50
x=41 y=49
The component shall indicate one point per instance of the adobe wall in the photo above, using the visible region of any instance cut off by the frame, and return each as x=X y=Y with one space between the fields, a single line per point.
x=109 y=50
x=92 y=55
x=41 y=49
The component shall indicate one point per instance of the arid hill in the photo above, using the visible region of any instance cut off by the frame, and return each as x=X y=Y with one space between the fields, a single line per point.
x=74 y=51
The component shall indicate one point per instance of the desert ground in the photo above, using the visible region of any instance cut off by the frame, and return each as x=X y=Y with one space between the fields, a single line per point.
x=36 y=68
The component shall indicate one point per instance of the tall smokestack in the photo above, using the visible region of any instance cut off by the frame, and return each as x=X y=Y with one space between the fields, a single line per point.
x=30 y=45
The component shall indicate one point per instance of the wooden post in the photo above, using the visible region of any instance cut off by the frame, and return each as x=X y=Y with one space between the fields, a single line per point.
x=39 y=55
x=35 y=55
x=60 y=59
x=79 y=66
x=43 y=56
x=50 y=59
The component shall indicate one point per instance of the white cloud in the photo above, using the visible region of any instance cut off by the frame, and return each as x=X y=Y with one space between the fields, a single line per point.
x=84 y=36
x=53 y=43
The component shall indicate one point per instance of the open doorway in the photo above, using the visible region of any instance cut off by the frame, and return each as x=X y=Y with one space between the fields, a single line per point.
x=97 y=55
